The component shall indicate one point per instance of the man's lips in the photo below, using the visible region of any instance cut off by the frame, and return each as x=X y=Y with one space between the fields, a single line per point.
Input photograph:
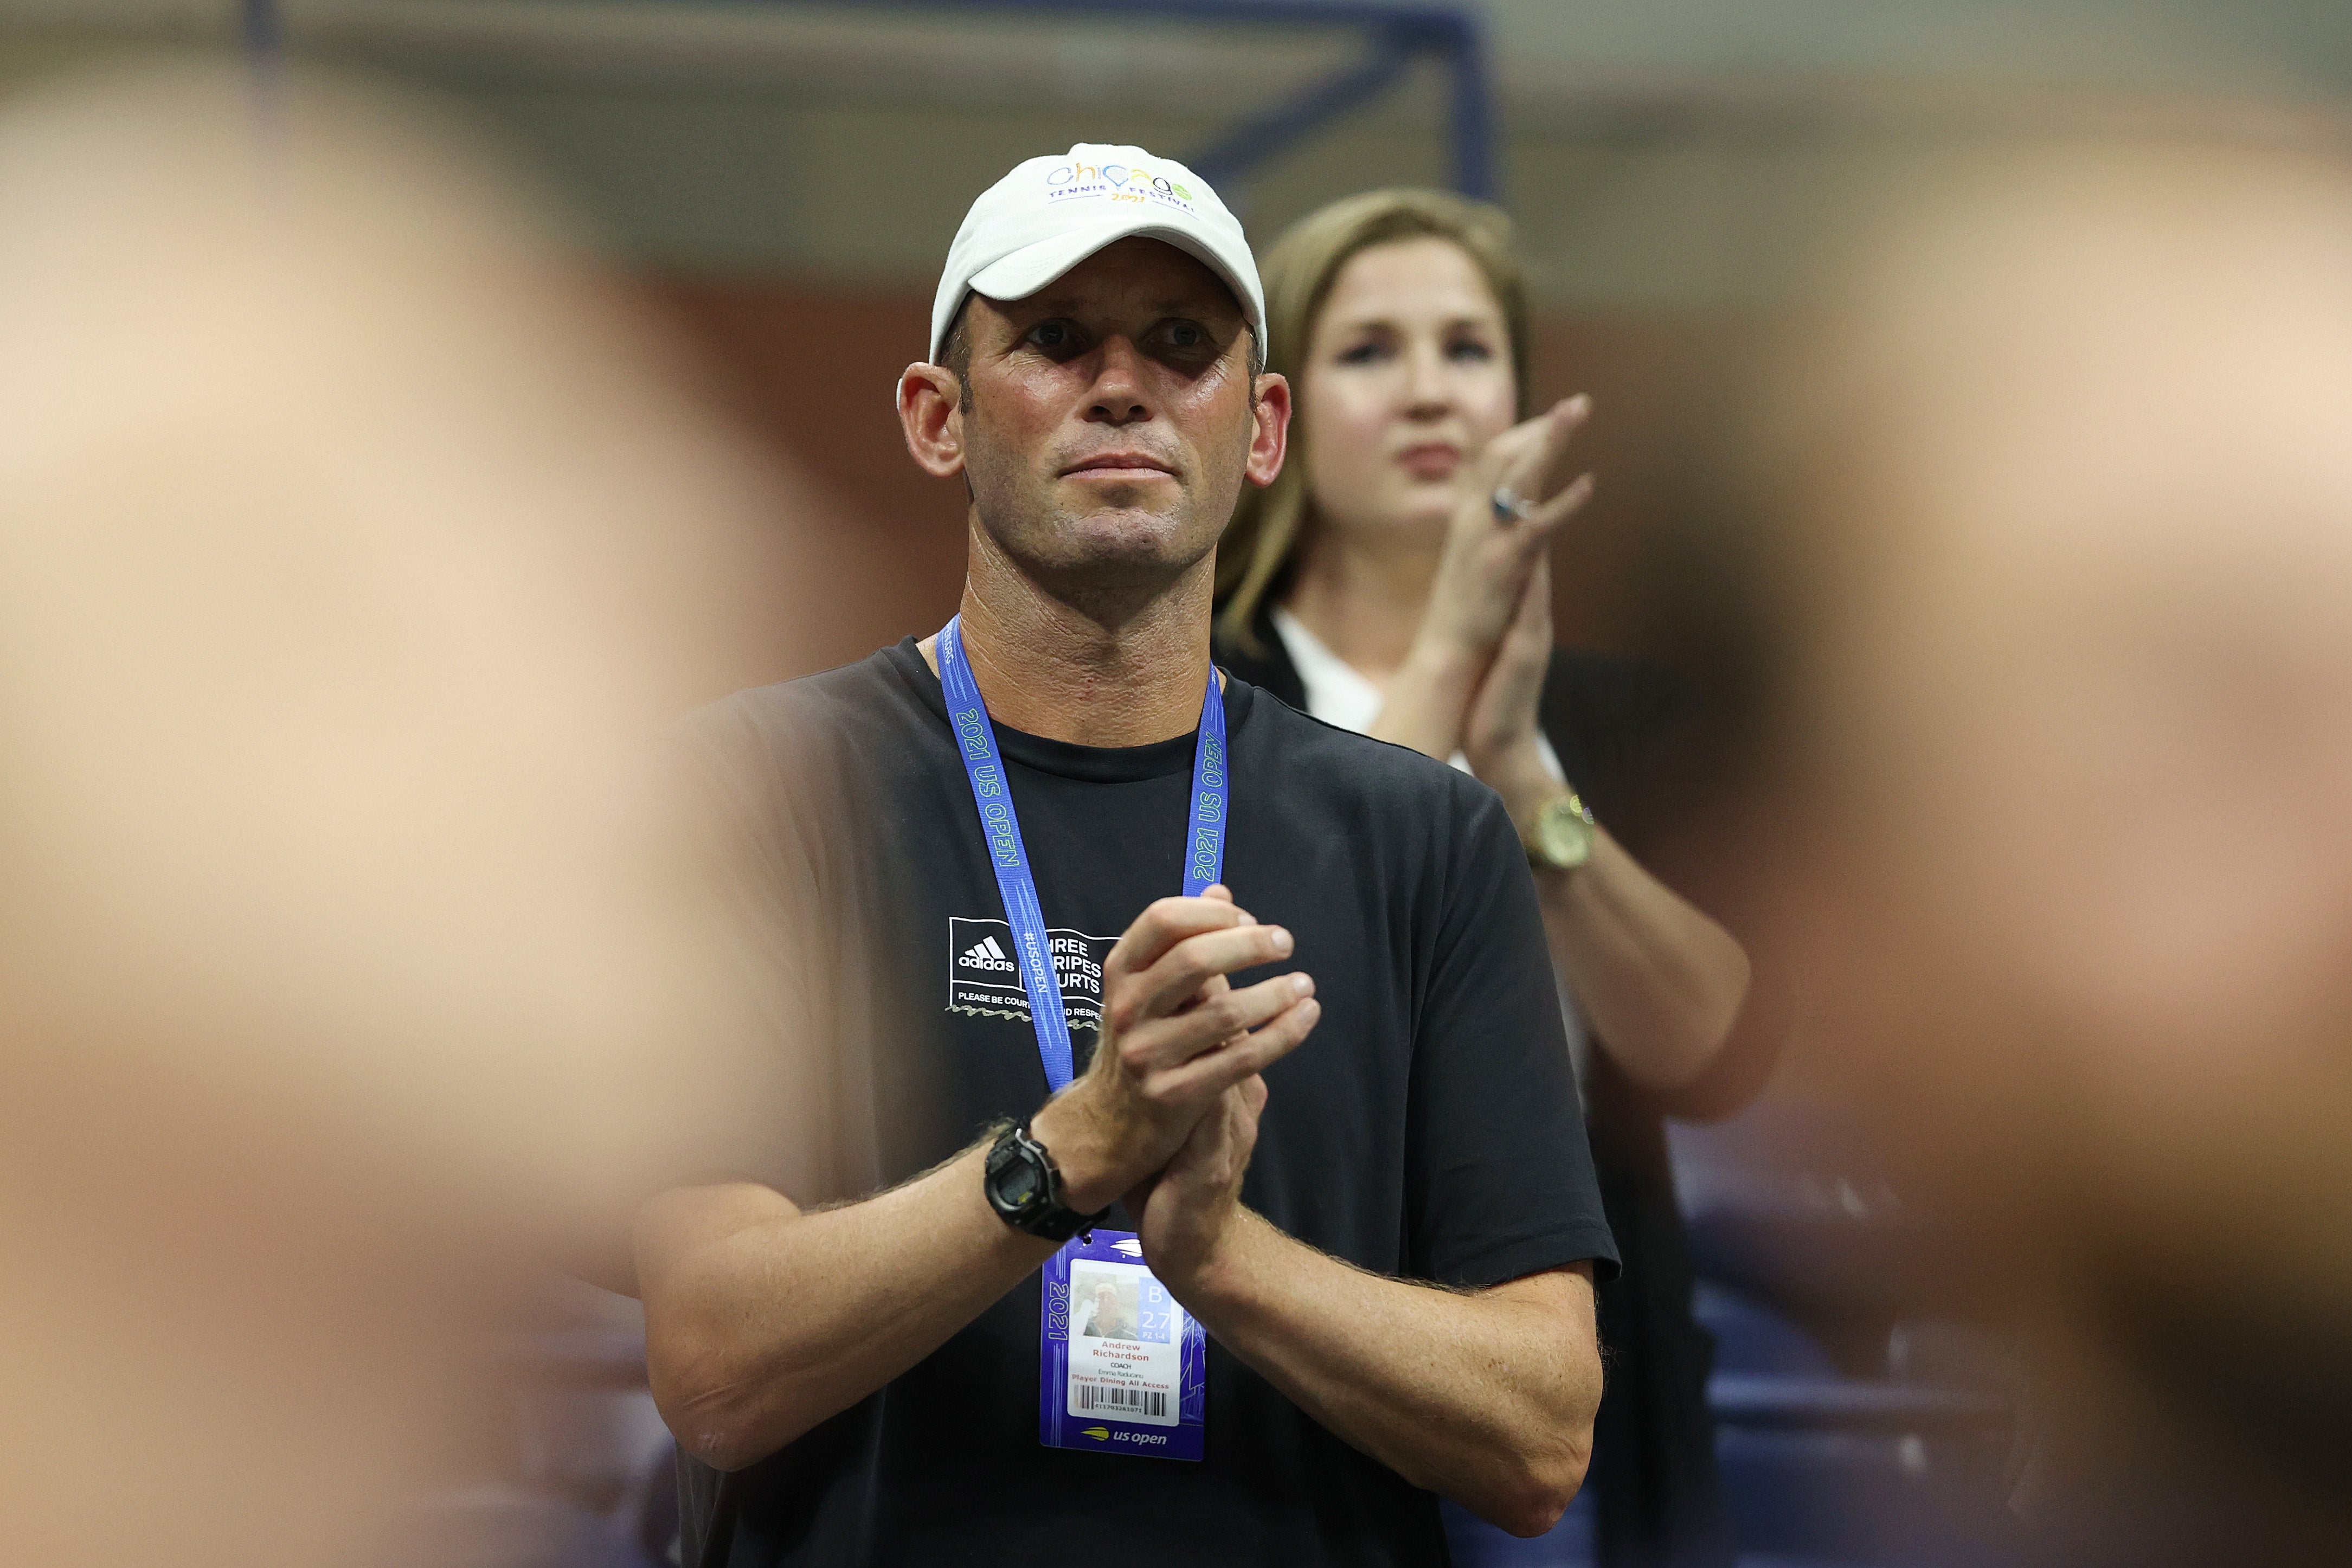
x=1119 y=466
x=1431 y=460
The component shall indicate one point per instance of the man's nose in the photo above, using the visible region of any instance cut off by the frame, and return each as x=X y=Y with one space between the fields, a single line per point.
x=1118 y=390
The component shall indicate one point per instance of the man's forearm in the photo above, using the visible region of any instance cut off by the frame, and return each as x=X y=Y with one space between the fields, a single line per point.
x=762 y=1320
x=1485 y=1396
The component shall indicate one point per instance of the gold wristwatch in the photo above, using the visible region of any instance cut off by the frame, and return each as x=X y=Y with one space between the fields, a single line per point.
x=1558 y=837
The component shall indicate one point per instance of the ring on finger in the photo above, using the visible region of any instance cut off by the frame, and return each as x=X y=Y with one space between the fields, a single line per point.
x=1508 y=504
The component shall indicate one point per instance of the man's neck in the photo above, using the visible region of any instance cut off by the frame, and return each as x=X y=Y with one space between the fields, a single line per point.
x=1116 y=670
x=1362 y=594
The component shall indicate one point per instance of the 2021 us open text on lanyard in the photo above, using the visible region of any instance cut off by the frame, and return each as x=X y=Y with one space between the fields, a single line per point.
x=1124 y=1367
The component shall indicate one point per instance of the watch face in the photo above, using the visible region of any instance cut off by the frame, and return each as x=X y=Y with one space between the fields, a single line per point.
x=1018 y=1186
x=1561 y=837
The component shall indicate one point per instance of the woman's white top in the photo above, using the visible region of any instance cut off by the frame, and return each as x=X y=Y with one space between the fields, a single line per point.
x=1338 y=693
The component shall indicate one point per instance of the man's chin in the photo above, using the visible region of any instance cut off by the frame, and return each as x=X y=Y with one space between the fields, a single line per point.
x=1121 y=541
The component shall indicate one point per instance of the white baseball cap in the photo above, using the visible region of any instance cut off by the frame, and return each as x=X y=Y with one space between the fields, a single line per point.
x=1050 y=214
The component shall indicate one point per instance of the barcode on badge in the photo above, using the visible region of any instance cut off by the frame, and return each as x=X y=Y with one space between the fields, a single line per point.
x=1142 y=1401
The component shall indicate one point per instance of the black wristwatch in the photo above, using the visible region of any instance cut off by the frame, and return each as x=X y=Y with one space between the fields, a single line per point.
x=1025 y=1188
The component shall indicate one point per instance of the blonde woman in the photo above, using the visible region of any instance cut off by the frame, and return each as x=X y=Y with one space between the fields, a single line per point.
x=1396 y=581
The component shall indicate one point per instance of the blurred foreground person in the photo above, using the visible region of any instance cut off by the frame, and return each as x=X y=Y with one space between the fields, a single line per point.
x=352 y=551
x=1396 y=580
x=2058 y=715
x=1061 y=830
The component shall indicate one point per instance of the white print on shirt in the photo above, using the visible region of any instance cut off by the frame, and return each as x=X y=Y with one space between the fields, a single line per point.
x=984 y=978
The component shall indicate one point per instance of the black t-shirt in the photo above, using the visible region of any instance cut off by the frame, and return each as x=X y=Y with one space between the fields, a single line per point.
x=1624 y=731
x=1427 y=1129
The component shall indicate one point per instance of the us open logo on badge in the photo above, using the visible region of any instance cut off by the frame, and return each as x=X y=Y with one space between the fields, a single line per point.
x=984 y=975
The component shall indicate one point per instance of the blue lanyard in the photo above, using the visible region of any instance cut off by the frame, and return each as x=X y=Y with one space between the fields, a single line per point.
x=1204 y=838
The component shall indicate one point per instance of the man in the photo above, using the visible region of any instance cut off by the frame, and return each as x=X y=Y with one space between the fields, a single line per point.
x=1110 y=1319
x=273 y=1152
x=2041 y=527
x=1399 y=1284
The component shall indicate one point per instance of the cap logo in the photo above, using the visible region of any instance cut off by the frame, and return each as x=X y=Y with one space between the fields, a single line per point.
x=1076 y=179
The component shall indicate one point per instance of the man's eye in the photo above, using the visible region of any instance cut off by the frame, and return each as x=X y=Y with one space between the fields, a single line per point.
x=1050 y=335
x=1186 y=335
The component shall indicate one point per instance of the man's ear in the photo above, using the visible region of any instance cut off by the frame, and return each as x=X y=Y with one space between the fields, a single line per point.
x=930 y=414
x=1270 y=433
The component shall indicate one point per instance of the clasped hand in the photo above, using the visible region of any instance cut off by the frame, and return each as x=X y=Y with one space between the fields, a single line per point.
x=1487 y=635
x=1166 y=1114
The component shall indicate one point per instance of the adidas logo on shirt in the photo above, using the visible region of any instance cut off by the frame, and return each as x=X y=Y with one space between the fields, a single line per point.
x=985 y=975
x=985 y=954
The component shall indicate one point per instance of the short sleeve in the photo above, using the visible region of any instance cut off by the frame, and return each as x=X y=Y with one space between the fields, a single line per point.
x=764 y=879
x=1498 y=1173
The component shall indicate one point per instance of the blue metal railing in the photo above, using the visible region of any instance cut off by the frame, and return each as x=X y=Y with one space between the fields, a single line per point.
x=1395 y=37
